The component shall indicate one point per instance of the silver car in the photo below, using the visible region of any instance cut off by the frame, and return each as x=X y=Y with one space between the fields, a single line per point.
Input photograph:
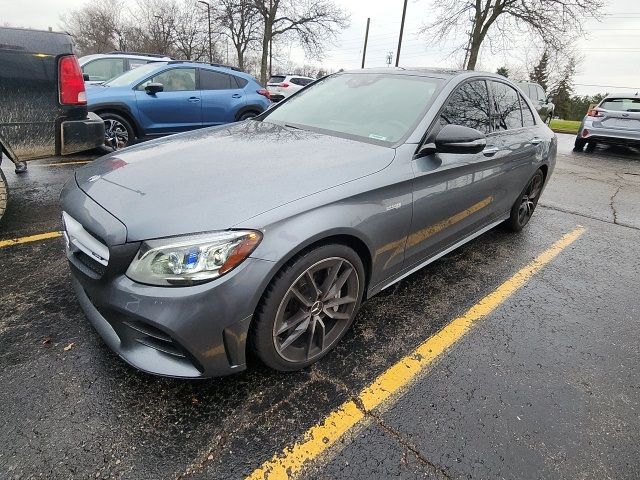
x=615 y=120
x=267 y=234
x=102 y=67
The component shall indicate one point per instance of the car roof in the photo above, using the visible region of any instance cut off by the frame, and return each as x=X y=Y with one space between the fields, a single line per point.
x=291 y=75
x=623 y=95
x=208 y=66
x=443 y=73
x=142 y=56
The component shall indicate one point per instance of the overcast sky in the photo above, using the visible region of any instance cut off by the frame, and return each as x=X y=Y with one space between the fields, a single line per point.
x=610 y=51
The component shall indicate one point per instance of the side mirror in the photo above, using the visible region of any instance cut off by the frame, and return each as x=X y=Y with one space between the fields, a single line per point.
x=86 y=77
x=459 y=139
x=153 y=88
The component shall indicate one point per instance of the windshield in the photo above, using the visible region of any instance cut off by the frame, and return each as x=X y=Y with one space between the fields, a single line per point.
x=377 y=107
x=622 y=104
x=132 y=75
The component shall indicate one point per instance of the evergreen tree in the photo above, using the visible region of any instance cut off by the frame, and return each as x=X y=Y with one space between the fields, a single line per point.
x=540 y=74
x=504 y=71
x=562 y=91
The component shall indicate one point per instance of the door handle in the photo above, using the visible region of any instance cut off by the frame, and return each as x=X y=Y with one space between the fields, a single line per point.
x=536 y=141
x=490 y=151
x=193 y=99
x=236 y=95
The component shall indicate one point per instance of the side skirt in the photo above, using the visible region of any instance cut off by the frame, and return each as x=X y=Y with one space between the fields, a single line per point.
x=375 y=290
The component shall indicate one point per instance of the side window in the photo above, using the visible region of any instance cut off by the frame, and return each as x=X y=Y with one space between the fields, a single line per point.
x=210 y=80
x=528 y=120
x=174 y=80
x=541 y=95
x=242 y=82
x=104 y=69
x=531 y=92
x=468 y=106
x=506 y=103
x=136 y=62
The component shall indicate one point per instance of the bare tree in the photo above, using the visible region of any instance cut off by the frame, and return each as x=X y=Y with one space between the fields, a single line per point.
x=312 y=23
x=190 y=35
x=550 y=20
x=97 y=27
x=240 y=22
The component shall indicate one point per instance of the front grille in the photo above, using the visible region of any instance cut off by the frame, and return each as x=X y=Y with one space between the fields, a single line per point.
x=90 y=263
x=87 y=252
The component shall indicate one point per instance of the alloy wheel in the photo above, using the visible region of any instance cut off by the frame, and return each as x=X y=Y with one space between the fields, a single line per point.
x=116 y=134
x=316 y=310
x=530 y=198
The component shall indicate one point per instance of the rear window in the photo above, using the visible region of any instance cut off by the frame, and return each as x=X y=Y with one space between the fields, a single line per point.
x=276 y=79
x=621 y=104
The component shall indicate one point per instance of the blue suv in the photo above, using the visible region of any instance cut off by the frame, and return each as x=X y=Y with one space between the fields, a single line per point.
x=168 y=97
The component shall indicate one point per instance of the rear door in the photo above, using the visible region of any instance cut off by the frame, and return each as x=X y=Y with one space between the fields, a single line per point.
x=176 y=109
x=221 y=96
x=515 y=139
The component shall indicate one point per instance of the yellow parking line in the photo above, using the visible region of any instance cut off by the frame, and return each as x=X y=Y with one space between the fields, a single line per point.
x=60 y=164
x=29 y=239
x=319 y=438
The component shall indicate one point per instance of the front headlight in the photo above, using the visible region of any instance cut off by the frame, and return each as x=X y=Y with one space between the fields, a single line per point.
x=191 y=259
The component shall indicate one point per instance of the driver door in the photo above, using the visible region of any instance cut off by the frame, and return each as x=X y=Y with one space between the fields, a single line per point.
x=176 y=109
x=454 y=195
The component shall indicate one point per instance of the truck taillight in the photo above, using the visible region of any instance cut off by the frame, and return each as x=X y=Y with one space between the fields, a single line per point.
x=284 y=85
x=70 y=82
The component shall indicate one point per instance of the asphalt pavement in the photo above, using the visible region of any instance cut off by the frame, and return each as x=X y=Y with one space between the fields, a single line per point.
x=546 y=385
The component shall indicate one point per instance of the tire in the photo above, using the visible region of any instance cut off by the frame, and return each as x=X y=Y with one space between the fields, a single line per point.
x=591 y=146
x=294 y=325
x=527 y=201
x=117 y=127
x=248 y=115
x=4 y=194
x=579 y=144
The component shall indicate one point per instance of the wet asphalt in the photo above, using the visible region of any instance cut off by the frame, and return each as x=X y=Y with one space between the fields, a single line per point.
x=547 y=386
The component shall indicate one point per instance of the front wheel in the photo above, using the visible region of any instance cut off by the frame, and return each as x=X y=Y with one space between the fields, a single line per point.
x=4 y=194
x=118 y=132
x=309 y=306
x=526 y=203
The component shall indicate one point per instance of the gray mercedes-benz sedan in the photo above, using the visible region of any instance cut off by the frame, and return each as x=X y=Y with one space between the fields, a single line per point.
x=266 y=235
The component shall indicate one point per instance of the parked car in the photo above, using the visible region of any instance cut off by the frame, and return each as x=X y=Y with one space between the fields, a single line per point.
x=162 y=98
x=102 y=67
x=43 y=109
x=541 y=102
x=268 y=234
x=615 y=120
x=283 y=86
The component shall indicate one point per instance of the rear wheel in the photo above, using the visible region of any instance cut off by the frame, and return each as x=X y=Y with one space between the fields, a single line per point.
x=526 y=203
x=591 y=146
x=309 y=306
x=4 y=194
x=579 y=144
x=118 y=132
x=248 y=115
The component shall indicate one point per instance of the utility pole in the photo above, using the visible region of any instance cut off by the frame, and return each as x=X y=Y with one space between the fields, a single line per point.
x=366 y=39
x=404 y=13
x=209 y=21
x=270 y=56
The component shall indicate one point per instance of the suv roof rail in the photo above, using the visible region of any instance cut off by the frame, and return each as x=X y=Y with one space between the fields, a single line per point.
x=219 y=65
x=119 y=52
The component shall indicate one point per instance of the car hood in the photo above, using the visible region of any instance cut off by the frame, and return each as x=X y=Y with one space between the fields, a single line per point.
x=215 y=178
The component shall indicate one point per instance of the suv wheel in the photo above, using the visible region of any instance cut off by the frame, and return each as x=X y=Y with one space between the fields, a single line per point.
x=526 y=203
x=578 y=146
x=248 y=115
x=118 y=132
x=309 y=306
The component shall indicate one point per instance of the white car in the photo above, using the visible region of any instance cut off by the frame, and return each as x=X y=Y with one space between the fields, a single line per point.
x=102 y=67
x=283 y=86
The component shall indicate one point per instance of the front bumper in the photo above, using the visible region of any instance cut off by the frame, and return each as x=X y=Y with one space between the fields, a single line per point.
x=190 y=332
x=81 y=135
